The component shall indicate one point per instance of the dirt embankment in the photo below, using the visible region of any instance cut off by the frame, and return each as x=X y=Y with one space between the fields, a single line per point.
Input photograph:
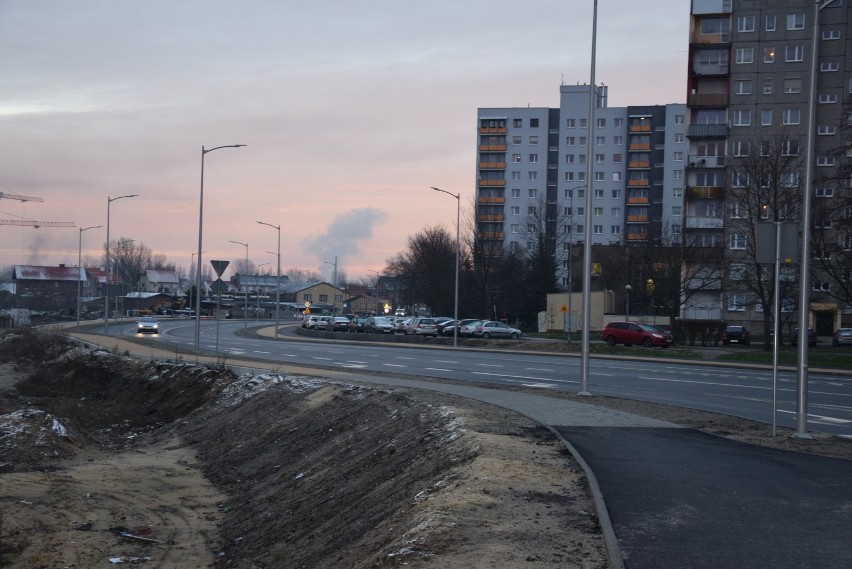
x=106 y=460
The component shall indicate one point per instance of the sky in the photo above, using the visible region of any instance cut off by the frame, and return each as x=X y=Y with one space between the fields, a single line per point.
x=350 y=112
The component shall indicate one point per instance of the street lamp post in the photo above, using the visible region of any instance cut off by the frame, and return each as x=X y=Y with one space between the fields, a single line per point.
x=245 y=292
x=277 y=277
x=334 y=275
x=80 y=266
x=257 y=295
x=200 y=228
x=456 y=306
x=627 y=289
x=106 y=277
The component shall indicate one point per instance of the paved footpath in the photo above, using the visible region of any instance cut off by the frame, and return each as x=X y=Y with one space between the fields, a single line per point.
x=676 y=498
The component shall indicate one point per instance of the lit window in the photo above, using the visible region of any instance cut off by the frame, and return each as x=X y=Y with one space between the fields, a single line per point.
x=768 y=55
x=516 y=158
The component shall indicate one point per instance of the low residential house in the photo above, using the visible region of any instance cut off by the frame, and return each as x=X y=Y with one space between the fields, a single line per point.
x=151 y=302
x=323 y=296
x=160 y=280
x=254 y=285
x=51 y=288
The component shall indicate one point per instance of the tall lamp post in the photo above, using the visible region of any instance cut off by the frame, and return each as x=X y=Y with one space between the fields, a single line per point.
x=627 y=289
x=277 y=277
x=334 y=275
x=456 y=306
x=257 y=294
x=80 y=266
x=200 y=227
x=245 y=292
x=106 y=278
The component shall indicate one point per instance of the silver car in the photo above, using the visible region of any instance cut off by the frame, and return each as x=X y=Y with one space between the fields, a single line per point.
x=421 y=326
x=494 y=329
x=147 y=325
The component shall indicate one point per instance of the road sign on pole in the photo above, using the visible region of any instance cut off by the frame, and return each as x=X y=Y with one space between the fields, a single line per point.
x=219 y=267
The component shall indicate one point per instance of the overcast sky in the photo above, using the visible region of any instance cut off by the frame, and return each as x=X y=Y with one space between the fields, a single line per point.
x=350 y=111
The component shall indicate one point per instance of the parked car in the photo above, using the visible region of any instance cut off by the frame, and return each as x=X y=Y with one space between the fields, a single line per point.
x=421 y=326
x=147 y=325
x=357 y=323
x=812 y=337
x=629 y=333
x=466 y=330
x=842 y=337
x=492 y=328
x=441 y=322
x=736 y=335
x=449 y=329
x=339 y=324
x=399 y=323
x=323 y=323
x=378 y=325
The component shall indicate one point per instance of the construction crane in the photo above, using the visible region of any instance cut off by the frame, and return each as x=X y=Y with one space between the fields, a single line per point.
x=4 y=195
x=37 y=224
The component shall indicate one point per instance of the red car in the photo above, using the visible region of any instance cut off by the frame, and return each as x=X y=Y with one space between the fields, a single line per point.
x=629 y=333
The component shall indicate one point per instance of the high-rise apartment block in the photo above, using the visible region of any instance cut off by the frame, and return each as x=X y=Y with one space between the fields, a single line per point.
x=533 y=164
x=752 y=138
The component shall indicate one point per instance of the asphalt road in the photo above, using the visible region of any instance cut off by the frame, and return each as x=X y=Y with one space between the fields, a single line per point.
x=739 y=391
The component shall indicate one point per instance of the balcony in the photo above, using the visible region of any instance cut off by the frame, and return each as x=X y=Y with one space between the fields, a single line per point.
x=637 y=200
x=492 y=147
x=637 y=236
x=639 y=128
x=696 y=222
x=491 y=235
x=493 y=130
x=707 y=130
x=696 y=161
x=707 y=100
x=637 y=219
x=699 y=38
x=492 y=165
x=639 y=146
x=492 y=182
x=491 y=199
x=493 y=217
x=639 y=183
x=705 y=192
x=704 y=69
x=639 y=165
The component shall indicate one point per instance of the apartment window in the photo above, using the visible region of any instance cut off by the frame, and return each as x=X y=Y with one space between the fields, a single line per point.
x=736 y=302
x=582 y=141
x=617 y=158
x=745 y=24
x=514 y=228
x=517 y=123
x=794 y=53
x=677 y=174
x=533 y=158
x=516 y=140
x=569 y=176
x=677 y=193
x=570 y=140
x=600 y=140
x=616 y=212
x=581 y=176
x=532 y=210
x=790 y=179
x=742 y=117
x=532 y=192
x=619 y=122
x=516 y=192
x=569 y=158
x=598 y=229
x=679 y=119
x=532 y=175
x=791 y=116
x=825 y=161
x=738 y=241
x=742 y=87
x=584 y=123
x=515 y=210
x=616 y=194
x=569 y=194
x=580 y=195
x=516 y=158
x=598 y=212
x=601 y=122
x=768 y=55
x=599 y=177
x=744 y=55
x=599 y=194
x=741 y=148
x=738 y=211
x=615 y=230
x=793 y=85
x=767 y=86
x=678 y=156
x=831 y=34
x=824 y=192
x=739 y=179
x=679 y=138
x=796 y=21
x=766 y=117
x=829 y=66
x=534 y=140
x=533 y=123
x=599 y=158
x=581 y=158
x=769 y=23
x=570 y=123
x=826 y=130
x=567 y=211
x=618 y=140
x=516 y=176
x=827 y=98
x=790 y=147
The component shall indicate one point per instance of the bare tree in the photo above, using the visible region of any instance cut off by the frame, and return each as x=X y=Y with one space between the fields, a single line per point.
x=427 y=269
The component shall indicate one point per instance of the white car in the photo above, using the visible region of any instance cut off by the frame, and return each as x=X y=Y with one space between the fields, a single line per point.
x=421 y=326
x=147 y=325
x=492 y=328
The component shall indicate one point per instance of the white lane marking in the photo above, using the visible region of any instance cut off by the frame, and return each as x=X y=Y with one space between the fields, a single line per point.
x=261 y=352
x=520 y=377
x=489 y=365
x=356 y=366
x=446 y=362
x=545 y=385
x=541 y=369
x=321 y=359
x=703 y=382
x=436 y=369
x=403 y=358
x=820 y=418
x=394 y=365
